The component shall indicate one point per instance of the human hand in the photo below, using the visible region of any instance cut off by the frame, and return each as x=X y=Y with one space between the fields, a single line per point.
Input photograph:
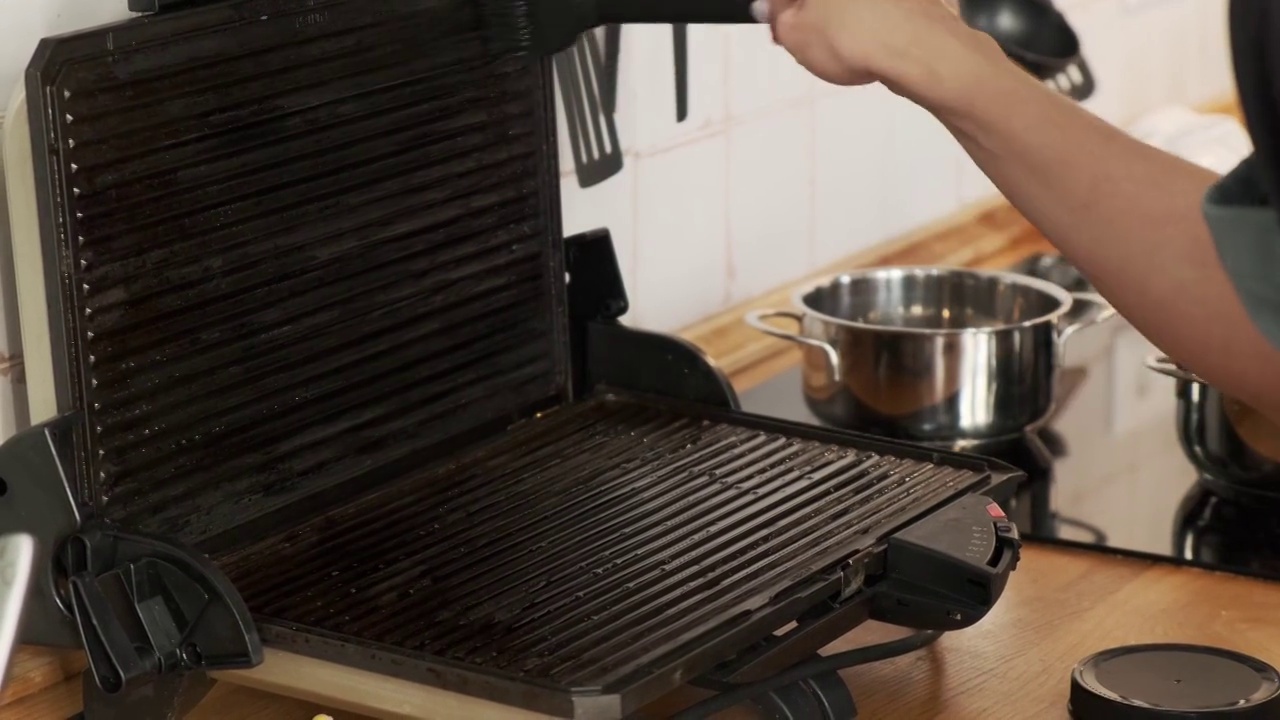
x=914 y=47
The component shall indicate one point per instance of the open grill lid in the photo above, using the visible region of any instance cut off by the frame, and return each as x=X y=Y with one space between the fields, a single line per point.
x=289 y=244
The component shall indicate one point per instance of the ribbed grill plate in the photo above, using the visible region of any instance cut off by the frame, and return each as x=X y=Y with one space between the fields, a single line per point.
x=587 y=544
x=298 y=243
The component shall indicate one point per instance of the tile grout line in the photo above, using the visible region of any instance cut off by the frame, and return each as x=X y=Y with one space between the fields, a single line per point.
x=726 y=50
x=730 y=270
x=811 y=260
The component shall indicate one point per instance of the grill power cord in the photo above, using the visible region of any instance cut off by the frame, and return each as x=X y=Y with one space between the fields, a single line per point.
x=806 y=670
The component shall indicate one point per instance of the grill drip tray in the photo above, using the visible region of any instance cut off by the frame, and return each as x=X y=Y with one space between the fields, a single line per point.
x=586 y=546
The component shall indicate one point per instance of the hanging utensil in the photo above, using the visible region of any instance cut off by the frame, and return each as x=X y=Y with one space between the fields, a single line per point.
x=1037 y=37
x=592 y=132
x=612 y=48
x=680 y=40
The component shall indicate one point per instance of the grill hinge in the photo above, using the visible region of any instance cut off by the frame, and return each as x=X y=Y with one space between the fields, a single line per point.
x=154 y=618
x=607 y=353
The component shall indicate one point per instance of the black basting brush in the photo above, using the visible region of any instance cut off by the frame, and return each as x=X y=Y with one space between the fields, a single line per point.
x=545 y=27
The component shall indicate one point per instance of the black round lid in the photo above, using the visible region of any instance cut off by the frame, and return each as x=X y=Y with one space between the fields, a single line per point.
x=1173 y=681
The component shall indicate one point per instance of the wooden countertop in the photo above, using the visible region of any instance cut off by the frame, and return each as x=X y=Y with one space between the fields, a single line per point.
x=1060 y=606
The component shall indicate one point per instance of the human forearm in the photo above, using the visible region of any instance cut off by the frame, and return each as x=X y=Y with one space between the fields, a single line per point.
x=1128 y=215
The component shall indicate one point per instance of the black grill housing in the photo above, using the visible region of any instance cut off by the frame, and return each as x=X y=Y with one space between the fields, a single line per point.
x=311 y=316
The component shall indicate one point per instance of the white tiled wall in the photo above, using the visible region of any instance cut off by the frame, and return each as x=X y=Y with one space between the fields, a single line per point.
x=775 y=174
x=24 y=22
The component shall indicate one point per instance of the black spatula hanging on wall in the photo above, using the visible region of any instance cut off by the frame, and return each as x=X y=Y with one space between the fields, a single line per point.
x=680 y=39
x=589 y=95
x=612 y=48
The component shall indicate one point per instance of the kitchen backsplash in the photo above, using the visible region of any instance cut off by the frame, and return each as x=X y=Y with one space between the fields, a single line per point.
x=774 y=174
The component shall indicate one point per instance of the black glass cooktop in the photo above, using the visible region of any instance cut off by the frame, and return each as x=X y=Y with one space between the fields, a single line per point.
x=1107 y=471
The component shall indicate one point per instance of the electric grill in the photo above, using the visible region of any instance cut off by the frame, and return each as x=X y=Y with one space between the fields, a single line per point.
x=328 y=378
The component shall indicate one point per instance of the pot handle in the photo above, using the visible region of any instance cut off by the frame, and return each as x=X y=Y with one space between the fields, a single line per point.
x=1102 y=312
x=756 y=319
x=1168 y=368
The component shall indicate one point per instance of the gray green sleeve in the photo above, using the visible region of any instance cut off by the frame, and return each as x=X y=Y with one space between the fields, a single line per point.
x=1246 y=230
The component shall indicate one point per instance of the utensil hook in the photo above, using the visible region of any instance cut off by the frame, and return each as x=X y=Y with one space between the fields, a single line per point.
x=757 y=318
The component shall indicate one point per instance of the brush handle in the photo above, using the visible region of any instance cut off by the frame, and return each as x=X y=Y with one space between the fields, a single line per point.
x=706 y=12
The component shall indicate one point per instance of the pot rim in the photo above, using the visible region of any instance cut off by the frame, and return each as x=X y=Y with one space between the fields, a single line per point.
x=1064 y=297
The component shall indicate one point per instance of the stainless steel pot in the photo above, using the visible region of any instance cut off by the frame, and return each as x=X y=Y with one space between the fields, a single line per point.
x=932 y=353
x=1222 y=436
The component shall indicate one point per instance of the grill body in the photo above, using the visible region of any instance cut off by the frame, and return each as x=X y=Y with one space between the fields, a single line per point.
x=313 y=329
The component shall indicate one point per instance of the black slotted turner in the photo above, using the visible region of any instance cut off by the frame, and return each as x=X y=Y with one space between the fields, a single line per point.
x=609 y=83
x=592 y=131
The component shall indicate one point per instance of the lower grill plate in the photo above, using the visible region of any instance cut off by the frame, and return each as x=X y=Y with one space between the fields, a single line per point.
x=588 y=546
